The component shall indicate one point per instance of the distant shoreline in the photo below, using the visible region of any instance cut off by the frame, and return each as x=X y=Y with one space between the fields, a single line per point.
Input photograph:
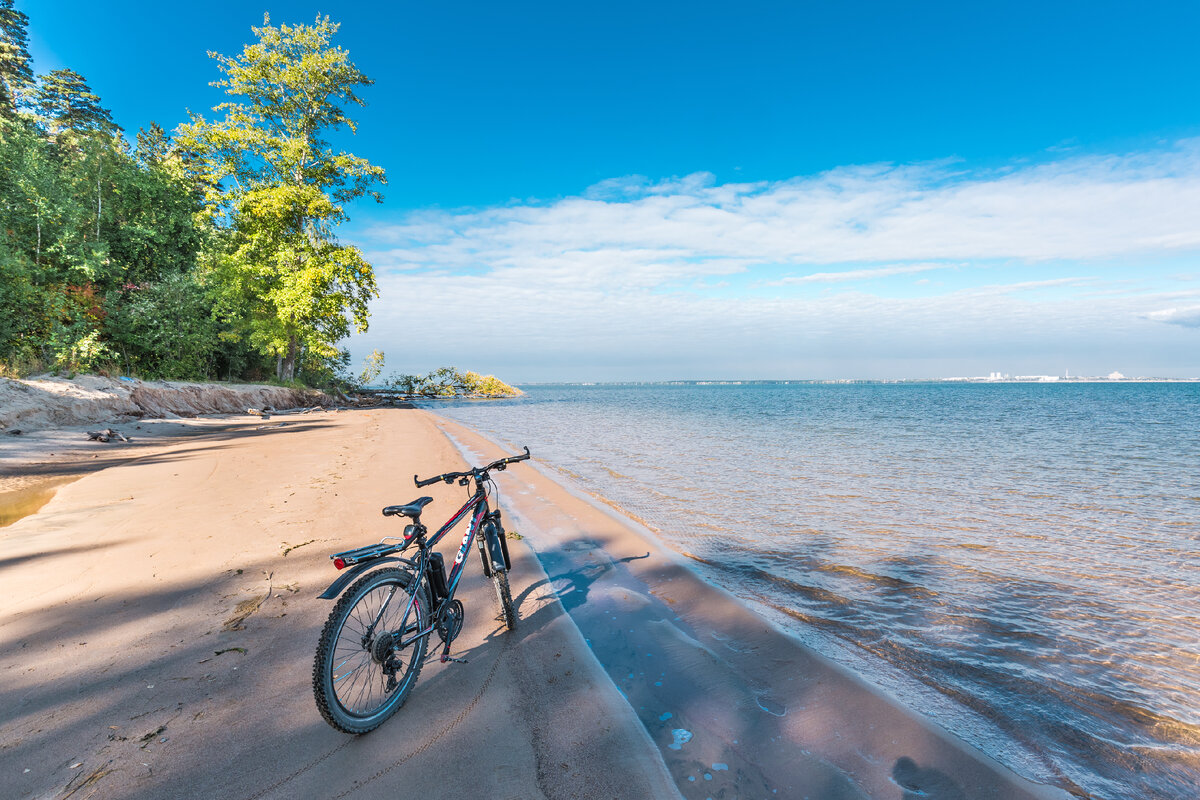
x=1042 y=380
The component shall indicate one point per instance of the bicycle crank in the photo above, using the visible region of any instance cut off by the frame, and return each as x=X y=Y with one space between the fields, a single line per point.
x=450 y=621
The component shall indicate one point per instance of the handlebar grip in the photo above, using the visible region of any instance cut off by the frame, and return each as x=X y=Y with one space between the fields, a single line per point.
x=420 y=483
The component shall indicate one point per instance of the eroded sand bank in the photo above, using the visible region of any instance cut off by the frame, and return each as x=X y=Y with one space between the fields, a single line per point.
x=160 y=619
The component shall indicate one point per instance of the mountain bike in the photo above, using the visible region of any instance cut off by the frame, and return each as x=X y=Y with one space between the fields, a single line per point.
x=374 y=643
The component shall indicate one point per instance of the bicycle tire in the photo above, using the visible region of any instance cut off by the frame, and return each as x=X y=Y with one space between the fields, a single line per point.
x=508 y=613
x=351 y=668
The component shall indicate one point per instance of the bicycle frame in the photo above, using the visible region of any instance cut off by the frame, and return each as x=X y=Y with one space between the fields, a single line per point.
x=478 y=502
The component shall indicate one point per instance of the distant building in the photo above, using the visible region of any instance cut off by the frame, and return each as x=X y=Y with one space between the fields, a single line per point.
x=1116 y=376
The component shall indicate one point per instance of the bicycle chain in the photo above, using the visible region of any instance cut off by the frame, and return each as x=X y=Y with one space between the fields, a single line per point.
x=428 y=742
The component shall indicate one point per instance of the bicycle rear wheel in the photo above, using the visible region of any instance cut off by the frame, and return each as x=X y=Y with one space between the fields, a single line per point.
x=508 y=613
x=362 y=674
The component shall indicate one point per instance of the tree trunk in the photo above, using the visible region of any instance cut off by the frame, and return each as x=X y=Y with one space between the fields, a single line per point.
x=99 y=199
x=286 y=366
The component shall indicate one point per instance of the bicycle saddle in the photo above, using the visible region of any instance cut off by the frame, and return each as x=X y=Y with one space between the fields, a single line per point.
x=413 y=509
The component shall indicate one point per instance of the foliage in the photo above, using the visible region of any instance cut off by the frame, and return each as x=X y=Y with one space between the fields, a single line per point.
x=16 y=67
x=210 y=253
x=165 y=329
x=275 y=185
x=450 y=382
x=488 y=386
x=372 y=366
x=66 y=103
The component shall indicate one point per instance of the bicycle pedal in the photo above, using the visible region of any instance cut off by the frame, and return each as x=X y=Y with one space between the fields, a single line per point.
x=446 y=658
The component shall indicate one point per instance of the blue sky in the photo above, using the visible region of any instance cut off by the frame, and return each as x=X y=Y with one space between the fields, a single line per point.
x=741 y=190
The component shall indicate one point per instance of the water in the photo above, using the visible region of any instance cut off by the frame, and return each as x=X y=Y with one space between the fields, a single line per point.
x=19 y=503
x=1017 y=560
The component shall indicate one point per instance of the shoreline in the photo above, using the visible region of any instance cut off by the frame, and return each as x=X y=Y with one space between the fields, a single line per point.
x=758 y=711
x=714 y=645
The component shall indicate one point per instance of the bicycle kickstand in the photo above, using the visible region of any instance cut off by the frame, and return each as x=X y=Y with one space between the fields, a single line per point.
x=447 y=657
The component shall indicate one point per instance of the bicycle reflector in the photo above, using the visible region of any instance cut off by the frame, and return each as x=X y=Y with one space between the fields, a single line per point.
x=340 y=563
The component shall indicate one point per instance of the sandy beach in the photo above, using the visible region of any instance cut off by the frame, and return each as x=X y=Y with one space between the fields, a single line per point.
x=161 y=616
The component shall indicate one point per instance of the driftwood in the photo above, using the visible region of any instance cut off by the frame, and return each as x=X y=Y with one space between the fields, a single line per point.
x=260 y=412
x=299 y=410
x=107 y=435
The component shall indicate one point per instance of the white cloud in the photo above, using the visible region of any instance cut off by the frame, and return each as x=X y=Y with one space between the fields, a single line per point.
x=1083 y=207
x=655 y=272
x=1188 y=316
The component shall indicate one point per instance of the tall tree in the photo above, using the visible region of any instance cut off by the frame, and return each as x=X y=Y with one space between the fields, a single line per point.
x=153 y=145
x=277 y=186
x=66 y=102
x=16 y=67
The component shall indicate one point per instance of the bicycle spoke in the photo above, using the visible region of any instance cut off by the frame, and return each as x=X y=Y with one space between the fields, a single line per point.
x=360 y=678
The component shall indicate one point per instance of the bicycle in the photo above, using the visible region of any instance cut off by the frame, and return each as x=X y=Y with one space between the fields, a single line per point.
x=373 y=645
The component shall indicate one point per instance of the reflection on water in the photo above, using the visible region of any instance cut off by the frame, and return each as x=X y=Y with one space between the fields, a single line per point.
x=1019 y=561
x=19 y=503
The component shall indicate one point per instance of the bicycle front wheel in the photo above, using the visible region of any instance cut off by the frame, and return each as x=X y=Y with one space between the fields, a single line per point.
x=508 y=613
x=363 y=671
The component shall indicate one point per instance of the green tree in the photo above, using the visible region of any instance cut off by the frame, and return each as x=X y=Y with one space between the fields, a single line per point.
x=152 y=225
x=276 y=187
x=89 y=153
x=43 y=251
x=65 y=101
x=16 y=66
x=152 y=145
x=372 y=366
x=165 y=329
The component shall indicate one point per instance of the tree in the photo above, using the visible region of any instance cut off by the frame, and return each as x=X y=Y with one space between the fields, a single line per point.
x=372 y=366
x=16 y=66
x=153 y=145
x=277 y=187
x=66 y=102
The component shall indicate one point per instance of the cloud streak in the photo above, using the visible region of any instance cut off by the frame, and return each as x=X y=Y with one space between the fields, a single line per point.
x=850 y=275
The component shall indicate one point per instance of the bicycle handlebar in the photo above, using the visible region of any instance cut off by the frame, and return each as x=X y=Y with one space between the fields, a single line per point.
x=476 y=472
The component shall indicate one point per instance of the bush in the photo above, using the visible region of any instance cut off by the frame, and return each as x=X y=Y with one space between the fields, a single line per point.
x=449 y=382
x=164 y=329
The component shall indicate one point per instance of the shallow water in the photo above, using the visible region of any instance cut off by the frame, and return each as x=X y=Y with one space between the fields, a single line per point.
x=16 y=504
x=1019 y=561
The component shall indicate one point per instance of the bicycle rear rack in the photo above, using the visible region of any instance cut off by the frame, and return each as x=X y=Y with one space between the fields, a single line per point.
x=349 y=558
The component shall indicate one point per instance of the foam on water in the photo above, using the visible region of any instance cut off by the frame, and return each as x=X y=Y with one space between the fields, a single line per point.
x=1018 y=561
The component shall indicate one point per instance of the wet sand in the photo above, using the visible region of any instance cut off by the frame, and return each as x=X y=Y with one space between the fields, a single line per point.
x=161 y=616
